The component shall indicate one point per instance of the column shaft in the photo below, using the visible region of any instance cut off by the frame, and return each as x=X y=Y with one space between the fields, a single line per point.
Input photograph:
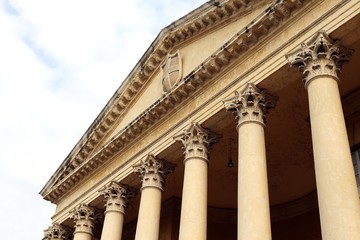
x=321 y=60
x=336 y=185
x=253 y=200
x=250 y=108
x=152 y=173
x=193 y=219
x=113 y=226
x=82 y=236
x=116 y=196
x=85 y=218
x=149 y=214
x=197 y=142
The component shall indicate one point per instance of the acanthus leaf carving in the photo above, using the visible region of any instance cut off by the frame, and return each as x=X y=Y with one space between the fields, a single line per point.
x=58 y=232
x=321 y=56
x=197 y=141
x=116 y=196
x=85 y=218
x=251 y=105
x=153 y=171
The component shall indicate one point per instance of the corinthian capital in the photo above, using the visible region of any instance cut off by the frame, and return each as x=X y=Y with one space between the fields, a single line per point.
x=57 y=232
x=84 y=218
x=116 y=196
x=251 y=105
x=197 y=141
x=319 y=57
x=153 y=171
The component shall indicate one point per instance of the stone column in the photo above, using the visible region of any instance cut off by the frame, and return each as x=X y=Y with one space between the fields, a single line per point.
x=250 y=108
x=152 y=173
x=193 y=221
x=57 y=232
x=84 y=218
x=320 y=60
x=116 y=197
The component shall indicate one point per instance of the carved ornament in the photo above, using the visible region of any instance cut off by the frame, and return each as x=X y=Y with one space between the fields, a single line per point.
x=116 y=196
x=251 y=105
x=171 y=71
x=84 y=218
x=58 y=232
x=197 y=141
x=153 y=171
x=321 y=56
x=83 y=160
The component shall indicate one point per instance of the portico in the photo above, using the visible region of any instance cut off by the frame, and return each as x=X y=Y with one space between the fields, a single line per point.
x=294 y=169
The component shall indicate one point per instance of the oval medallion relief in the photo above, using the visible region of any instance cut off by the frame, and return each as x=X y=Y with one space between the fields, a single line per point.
x=171 y=71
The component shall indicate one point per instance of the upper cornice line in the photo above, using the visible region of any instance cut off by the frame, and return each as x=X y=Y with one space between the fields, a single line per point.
x=202 y=19
x=86 y=161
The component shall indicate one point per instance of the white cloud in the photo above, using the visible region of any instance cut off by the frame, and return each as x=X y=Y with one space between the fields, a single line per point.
x=60 y=62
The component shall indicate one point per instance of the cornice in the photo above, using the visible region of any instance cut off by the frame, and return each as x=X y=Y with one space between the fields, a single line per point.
x=207 y=16
x=83 y=160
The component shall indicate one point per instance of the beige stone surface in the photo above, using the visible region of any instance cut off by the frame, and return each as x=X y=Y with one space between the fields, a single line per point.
x=82 y=236
x=287 y=164
x=148 y=223
x=193 y=220
x=149 y=95
x=116 y=197
x=113 y=226
x=253 y=74
x=336 y=185
x=194 y=201
x=321 y=60
x=191 y=59
x=253 y=197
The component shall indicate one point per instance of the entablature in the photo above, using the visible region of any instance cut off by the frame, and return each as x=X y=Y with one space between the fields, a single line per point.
x=238 y=45
x=208 y=16
x=210 y=68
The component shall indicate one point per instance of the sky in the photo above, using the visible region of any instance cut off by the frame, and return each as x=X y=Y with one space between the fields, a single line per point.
x=60 y=62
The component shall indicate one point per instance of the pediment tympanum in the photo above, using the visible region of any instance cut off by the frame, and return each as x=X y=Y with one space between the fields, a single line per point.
x=110 y=132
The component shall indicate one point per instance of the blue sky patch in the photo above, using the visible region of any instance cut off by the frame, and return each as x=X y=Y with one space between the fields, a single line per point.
x=10 y=9
x=42 y=55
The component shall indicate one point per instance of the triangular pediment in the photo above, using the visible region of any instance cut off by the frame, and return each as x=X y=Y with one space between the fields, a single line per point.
x=178 y=62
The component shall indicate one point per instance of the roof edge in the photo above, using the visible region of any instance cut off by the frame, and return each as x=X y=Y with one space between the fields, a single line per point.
x=223 y=57
x=169 y=37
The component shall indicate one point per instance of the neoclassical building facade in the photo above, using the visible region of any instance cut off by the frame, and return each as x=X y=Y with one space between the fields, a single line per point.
x=241 y=121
